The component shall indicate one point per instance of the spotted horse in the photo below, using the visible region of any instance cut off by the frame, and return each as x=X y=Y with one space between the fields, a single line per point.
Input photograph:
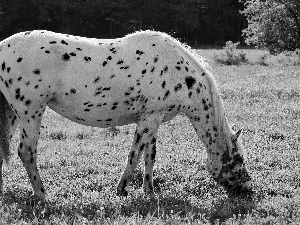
x=145 y=78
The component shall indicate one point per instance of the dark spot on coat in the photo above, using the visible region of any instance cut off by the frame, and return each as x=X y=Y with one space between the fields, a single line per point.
x=152 y=156
x=87 y=58
x=138 y=138
x=124 y=67
x=163 y=84
x=144 y=71
x=104 y=63
x=166 y=95
x=178 y=87
x=66 y=57
x=27 y=102
x=37 y=71
x=165 y=70
x=120 y=62
x=113 y=50
x=190 y=81
x=138 y=52
x=96 y=80
x=8 y=69
x=64 y=42
x=19 y=59
x=146 y=130
x=73 y=91
x=3 y=66
x=142 y=147
x=73 y=54
x=52 y=42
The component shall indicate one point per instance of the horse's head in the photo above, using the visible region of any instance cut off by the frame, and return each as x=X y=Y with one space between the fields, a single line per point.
x=232 y=173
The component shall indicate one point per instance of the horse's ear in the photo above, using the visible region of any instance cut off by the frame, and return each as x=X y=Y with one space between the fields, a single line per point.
x=233 y=127
x=236 y=135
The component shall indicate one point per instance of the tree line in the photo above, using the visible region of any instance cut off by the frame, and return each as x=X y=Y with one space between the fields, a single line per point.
x=205 y=22
x=271 y=24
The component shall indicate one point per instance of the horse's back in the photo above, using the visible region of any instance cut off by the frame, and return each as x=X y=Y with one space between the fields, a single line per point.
x=94 y=82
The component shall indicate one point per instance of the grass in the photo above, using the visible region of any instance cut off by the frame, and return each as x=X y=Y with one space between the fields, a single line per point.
x=80 y=166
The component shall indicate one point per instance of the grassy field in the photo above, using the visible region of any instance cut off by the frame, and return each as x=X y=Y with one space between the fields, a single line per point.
x=80 y=166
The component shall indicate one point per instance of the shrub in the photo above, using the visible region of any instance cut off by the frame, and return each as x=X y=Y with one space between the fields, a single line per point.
x=289 y=58
x=262 y=60
x=57 y=135
x=231 y=56
x=113 y=131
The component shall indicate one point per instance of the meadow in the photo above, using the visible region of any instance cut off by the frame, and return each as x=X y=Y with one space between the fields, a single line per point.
x=80 y=166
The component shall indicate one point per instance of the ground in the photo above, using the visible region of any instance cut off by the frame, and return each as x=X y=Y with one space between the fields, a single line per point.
x=80 y=166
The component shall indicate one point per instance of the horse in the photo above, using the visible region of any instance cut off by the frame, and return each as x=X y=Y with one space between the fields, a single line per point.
x=146 y=78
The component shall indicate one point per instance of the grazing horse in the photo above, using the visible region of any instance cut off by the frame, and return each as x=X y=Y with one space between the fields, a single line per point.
x=145 y=78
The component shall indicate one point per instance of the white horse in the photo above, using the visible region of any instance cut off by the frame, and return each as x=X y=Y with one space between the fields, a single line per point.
x=145 y=78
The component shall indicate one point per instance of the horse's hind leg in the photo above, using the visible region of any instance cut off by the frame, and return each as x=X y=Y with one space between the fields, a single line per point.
x=144 y=140
x=8 y=125
x=29 y=135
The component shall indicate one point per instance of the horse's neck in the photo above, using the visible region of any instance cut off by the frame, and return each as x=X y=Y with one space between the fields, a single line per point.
x=219 y=117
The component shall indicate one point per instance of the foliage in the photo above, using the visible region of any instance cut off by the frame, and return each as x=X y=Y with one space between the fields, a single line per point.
x=289 y=58
x=273 y=24
x=204 y=21
x=232 y=56
x=262 y=60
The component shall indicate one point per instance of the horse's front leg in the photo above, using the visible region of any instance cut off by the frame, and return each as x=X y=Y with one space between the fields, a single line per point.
x=144 y=140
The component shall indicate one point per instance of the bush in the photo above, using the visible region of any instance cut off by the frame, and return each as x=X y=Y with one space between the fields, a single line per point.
x=113 y=131
x=57 y=136
x=231 y=56
x=262 y=60
x=289 y=58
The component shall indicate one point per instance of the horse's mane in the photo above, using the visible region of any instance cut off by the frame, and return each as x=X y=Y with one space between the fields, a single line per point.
x=220 y=117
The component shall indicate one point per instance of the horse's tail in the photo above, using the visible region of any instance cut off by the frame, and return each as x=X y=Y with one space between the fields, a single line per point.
x=4 y=128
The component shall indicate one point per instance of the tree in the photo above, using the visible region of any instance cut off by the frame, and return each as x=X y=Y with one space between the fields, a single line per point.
x=273 y=24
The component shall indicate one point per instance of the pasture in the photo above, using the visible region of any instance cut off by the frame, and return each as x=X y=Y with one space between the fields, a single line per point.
x=80 y=166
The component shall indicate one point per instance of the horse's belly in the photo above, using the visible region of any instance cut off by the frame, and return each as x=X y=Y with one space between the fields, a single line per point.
x=96 y=117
